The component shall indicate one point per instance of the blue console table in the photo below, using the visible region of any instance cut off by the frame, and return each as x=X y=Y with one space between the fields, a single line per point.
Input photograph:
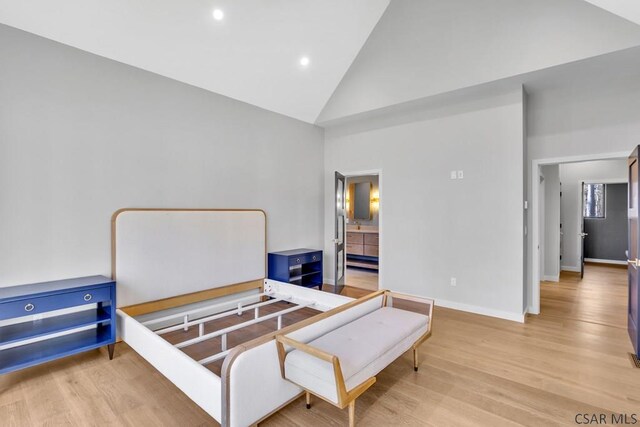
x=297 y=266
x=32 y=326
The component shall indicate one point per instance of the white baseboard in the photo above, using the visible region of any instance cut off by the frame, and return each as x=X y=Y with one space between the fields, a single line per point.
x=531 y=310
x=515 y=317
x=575 y=269
x=605 y=261
x=328 y=281
x=555 y=278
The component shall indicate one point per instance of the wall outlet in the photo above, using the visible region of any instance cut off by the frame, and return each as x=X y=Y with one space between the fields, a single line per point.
x=460 y=174
x=454 y=282
x=454 y=175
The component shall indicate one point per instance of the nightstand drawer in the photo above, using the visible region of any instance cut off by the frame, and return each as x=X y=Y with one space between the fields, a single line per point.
x=44 y=304
x=305 y=258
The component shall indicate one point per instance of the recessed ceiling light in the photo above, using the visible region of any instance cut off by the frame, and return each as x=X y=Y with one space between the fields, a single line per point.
x=304 y=61
x=218 y=15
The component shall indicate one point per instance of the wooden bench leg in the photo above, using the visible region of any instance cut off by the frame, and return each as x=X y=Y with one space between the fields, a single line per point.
x=308 y=400
x=415 y=359
x=352 y=413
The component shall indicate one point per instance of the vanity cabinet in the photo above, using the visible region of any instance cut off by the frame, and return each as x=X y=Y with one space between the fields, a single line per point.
x=363 y=249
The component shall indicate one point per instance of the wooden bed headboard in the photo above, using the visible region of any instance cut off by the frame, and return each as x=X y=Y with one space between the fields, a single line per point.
x=179 y=256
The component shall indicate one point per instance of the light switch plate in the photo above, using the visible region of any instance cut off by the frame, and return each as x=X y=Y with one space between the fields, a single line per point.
x=454 y=175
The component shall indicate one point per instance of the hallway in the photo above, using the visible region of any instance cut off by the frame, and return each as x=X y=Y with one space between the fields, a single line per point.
x=600 y=297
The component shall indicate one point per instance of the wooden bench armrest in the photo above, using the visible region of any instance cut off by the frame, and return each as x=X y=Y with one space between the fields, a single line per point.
x=344 y=397
x=313 y=351
x=409 y=297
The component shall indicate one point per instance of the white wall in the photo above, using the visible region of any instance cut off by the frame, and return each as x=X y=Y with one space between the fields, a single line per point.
x=82 y=136
x=425 y=47
x=586 y=120
x=434 y=228
x=571 y=174
x=551 y=212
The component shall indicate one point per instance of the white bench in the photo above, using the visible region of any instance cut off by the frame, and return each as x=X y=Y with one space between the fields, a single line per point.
x=341 y=364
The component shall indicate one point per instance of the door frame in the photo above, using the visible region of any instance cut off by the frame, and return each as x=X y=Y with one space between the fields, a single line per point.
x=534 y=270
x=541 y=222
x=378 y=172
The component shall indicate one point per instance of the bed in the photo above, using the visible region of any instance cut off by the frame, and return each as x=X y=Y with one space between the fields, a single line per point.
x=194 y=302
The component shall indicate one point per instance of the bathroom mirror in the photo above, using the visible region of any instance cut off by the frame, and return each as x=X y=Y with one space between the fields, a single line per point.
x=361 y=198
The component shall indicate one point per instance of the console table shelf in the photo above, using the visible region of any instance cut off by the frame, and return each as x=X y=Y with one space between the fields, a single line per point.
x=51 y=325
x=39 y=352
x=35 y=329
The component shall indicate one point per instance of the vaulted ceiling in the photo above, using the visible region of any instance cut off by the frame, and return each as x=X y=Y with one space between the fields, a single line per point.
x=252 y=54
x=627 y=9
x=363 y=55
x=422 y=48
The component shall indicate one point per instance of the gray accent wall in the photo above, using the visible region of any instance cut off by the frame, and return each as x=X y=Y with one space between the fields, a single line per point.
x=571 y=176
x=607 y=237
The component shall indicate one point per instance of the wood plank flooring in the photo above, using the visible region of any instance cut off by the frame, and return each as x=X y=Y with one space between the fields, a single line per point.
x=475 y=371
x=363 y=279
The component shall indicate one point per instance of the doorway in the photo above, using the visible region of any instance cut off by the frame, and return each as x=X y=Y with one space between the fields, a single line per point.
x=362 y=249
x=561 y=240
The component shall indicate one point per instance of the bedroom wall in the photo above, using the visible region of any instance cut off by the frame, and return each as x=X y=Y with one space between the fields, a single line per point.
x=432 y=227
x=82 y=136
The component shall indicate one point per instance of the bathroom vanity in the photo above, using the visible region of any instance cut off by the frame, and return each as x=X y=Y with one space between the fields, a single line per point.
x=363 y=247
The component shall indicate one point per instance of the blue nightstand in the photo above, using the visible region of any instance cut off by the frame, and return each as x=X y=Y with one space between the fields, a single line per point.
x=298 y=266
x=35 y=332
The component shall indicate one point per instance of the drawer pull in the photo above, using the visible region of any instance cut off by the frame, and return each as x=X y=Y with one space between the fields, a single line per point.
x=87 y=297
x=315 y=257
x=29 y=307
x=298 y=260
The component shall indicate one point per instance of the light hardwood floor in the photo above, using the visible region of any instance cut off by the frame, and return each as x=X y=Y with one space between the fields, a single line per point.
x=363 y=279
x=475 y=371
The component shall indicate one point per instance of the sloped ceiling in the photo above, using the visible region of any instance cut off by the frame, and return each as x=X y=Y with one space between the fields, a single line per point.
x=365 y=55
x=421 y=48
x=627 y=9
x=252 y=55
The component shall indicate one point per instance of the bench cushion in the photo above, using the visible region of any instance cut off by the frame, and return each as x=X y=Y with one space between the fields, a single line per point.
x=364 y=346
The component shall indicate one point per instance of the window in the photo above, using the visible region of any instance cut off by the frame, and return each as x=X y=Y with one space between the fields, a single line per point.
x=593 y=201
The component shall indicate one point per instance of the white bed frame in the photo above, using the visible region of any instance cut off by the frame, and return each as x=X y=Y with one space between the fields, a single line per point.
x=174 y=265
